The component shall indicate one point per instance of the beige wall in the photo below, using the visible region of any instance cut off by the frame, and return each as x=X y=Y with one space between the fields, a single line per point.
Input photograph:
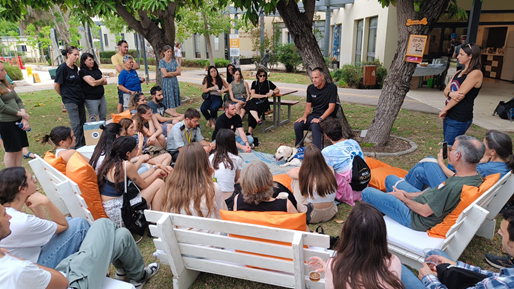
x=112 y=44
x=488 y=4
x=189 y=48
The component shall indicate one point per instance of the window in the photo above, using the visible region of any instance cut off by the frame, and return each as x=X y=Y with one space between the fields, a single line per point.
x=372 y=38
x=196 y=40
x=123 y=36
x=106 y=40
x=358 y=42
x=216 y=43
x=22 y=48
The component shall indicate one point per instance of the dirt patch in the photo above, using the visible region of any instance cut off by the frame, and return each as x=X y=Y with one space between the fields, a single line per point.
x=394 y=145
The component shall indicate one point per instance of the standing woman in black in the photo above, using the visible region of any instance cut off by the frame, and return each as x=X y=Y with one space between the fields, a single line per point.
x=12 y=112
x=93 y=83
x=261 y=90
x=68 y=85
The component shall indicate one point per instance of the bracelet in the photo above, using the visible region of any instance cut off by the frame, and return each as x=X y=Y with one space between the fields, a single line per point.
x=449 y=94
x=154 y=167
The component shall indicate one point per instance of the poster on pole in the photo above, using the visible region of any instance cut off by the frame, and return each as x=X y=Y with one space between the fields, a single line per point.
x=416 y=48
x=234 y=45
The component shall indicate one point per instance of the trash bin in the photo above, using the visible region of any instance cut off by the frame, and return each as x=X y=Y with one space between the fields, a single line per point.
x=52 y=73
x=370 y=75
x=430 y=82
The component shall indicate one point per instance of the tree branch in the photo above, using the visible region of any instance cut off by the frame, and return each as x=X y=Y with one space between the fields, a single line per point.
x=132 y=22
x=309 y=6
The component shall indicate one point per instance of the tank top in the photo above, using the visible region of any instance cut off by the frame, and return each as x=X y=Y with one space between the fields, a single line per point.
x=238 y=89
x=462 y=111
x=279 y=205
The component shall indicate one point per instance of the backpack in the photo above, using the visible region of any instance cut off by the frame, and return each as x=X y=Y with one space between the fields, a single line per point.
x=361 y=174
x=503 y=109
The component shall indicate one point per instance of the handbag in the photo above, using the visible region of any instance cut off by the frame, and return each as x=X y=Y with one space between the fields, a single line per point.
x=133 y=207
x=205 y=95
x=458 y=278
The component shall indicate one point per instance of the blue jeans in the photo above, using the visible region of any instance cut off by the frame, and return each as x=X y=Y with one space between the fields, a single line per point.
x=388 y=204
x=453 y=128
x=410 y=280
x=240 y=140
x=391 y=180
x=63 y=244
x=425 y=173
x=210 y=107
x=300 y=127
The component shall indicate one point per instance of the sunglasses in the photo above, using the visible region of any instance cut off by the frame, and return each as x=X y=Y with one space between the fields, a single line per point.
x=262 y=75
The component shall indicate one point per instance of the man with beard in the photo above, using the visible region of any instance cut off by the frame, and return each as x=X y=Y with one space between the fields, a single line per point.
x=159 y=109
x=231 y=120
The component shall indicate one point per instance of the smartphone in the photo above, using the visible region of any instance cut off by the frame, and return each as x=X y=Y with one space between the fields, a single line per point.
x=444 y=146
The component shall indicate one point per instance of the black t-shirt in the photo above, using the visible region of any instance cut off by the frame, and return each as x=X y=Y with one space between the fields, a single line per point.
x=463 y=110
x=263 y=88
x=321 y=98
x=71 y=84
x=91 y=92
x=229 y=123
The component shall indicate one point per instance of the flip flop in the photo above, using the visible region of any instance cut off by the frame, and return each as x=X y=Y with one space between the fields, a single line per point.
x=27 y=156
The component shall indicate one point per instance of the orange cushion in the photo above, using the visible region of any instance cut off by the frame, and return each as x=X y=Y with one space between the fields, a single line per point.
x=79 y=171
x=468 y=195
x=57 y=163
x=284 y=179
x=378 y=176
x=373 y=163
x=117 y=117
x=282 y=220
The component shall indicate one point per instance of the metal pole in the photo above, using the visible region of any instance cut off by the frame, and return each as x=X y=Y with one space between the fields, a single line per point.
x=262 y=33
x=101 y=40
x=236 y=31
x=136 y=41
x=474 y=19
x=326 y=37
x=145 y=61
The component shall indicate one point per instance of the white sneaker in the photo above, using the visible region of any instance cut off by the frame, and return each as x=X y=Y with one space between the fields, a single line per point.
x=150 y=270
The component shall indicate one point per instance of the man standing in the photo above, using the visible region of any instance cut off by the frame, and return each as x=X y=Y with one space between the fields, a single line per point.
x=159 y=108
x=117 y=61
x=186 y=132
x=321 y=99
x=421 y=211
x=231 y=120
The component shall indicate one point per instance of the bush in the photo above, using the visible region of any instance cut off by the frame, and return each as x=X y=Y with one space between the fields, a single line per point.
x=195 y=63
x=107 y=54
x=351 y=76
x=14 y=72
x=289 y=56
x=220 y=62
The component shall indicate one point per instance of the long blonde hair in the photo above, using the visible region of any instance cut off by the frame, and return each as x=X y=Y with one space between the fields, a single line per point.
x=190 y=181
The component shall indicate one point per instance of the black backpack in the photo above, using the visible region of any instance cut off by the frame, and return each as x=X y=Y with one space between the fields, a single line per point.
x=503 y=109
x=361 y=174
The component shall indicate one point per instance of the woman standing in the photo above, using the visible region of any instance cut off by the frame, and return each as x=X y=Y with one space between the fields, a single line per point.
x=178 y=53
x=461 y=92
x=239 y=92
x=68 y=85
x=128 y=80
x=230 y=73
x=170 y=89
x=261 y=90
x=12 y=112
x=215 y=86
x=93 y=86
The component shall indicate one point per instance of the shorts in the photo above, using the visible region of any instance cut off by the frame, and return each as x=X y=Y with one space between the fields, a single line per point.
x=14 y=137
x=165 y=129
x=120 y=96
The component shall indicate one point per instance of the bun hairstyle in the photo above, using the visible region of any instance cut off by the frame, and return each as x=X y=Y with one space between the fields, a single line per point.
x=57 y=134
x=68 y=50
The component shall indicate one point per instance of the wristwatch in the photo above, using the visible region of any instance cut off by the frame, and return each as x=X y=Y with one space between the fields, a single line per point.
x=320 y=118
x=154 y=167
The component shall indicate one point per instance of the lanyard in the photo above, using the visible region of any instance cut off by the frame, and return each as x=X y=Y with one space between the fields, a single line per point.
x=188 y=137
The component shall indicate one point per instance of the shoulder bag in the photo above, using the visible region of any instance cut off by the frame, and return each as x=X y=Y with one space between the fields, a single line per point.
x=132 y=210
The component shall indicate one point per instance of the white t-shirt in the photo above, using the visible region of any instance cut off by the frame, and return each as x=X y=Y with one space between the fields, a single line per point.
x=28 y=234
x=18 y=274
x=225 y=176
x=99 y=162
x=178 y=52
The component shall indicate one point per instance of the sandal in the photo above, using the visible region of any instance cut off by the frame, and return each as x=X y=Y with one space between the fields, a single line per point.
x=259 y=122
x=28 y=155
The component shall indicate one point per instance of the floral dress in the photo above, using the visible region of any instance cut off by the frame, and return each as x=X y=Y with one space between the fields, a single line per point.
x=170 y=87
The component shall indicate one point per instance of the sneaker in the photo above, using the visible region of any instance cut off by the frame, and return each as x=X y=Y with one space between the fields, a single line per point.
x=120 y=275
x=150 y=270
x=499 y=262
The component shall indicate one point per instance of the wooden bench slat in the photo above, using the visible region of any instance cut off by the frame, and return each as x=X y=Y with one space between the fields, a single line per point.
x=269 y=112
x=286 y=102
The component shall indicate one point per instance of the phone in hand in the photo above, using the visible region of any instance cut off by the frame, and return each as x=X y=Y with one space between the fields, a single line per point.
x=444 y=147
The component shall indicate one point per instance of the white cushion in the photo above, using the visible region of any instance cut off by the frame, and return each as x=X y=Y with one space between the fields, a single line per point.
x=110 y=283
x=408 y=239
x=87 y=151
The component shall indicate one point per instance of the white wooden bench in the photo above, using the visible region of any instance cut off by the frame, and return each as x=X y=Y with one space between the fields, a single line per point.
x=409 y=244
x=191 y=251
x=65 y=194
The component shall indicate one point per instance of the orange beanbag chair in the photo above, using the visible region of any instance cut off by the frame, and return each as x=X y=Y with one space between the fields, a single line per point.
x=79 y=171
x=58 y=163
x=373 y=163
x=285 y=180
x=468 y=195
x=117 y=117
x=378 y=176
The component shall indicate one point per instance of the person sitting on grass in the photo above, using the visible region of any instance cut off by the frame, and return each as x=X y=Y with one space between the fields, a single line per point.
x=104 y=243
x=148 y=125
x=39 y=238
x=231 y=120
x=314 y=187
x=362 y=259
x=136 y=99
x=112 y=178
x=421 y=211
x=159 y=108
x=63 y=139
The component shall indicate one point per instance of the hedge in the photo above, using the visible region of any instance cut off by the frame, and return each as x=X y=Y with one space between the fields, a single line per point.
x=14 y=72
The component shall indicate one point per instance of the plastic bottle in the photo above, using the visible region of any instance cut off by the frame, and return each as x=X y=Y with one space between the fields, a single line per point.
x=20 y=125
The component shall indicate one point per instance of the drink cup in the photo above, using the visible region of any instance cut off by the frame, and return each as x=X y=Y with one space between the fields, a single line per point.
x=314 y=276
x=64 y=110
x=431 y=252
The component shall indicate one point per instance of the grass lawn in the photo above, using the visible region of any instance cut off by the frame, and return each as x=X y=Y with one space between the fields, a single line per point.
x=424 y=129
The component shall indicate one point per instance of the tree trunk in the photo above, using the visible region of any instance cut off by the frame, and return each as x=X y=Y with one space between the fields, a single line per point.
x=397 y=82
x=208 y=38
x=299 y=25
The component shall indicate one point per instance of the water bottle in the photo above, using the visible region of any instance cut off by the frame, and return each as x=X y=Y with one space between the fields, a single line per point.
x=20 y=125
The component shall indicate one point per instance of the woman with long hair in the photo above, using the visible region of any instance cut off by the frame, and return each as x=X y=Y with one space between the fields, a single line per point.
x=178 y=53
x=189 y=189
x=362 y=259
x=63 y=139
x=147 y=124
x=261 y=89
x=461 y=92
x=231 y=68
x=170 y=69
x=68 y=85
x=93 y=83
x=226 y=162
x=111 y=179
x=215 y=86
x=110 y=132
x=257 y=191
x=239 y=92
x=136 y=99
x=314 y=186
x=14 y=138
